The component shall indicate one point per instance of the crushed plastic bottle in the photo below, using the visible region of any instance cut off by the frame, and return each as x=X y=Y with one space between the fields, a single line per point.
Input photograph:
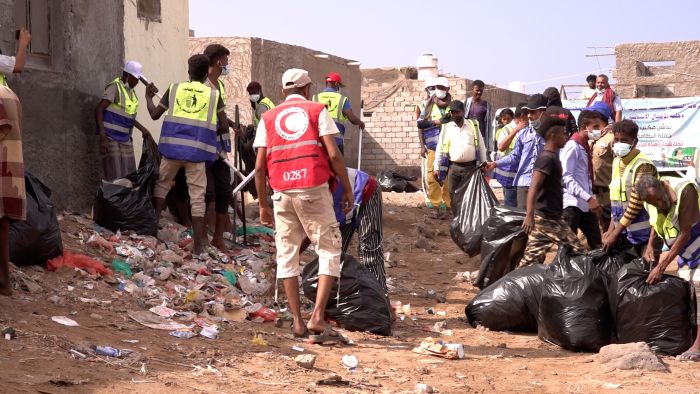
x=107 y=351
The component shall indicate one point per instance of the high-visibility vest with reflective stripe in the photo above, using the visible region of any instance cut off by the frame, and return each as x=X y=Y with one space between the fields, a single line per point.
x=266 y=102
x=3 y=80
x=189 y=128
x=620 y=191
x=334 y=102
x=119 y=117
x=505 y=176
x=296 y=158
x=223 y=141
x=667 y=226
x=431 y=134
x=444 y=165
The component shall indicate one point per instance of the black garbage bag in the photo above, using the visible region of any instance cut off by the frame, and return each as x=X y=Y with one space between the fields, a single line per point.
x=122 y=207
x=37 y=239
x=611 y=261
x=363 y=306
x=662 y=315
x=511 y=303
x=471 y=207
x=392 y=181
x=574 y=309
x=502 y=246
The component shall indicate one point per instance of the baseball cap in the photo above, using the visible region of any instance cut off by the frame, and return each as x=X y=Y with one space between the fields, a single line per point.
x=334 y=77
x=601 y=107
x=535 y=102
x=295 y=78
x=134 y=68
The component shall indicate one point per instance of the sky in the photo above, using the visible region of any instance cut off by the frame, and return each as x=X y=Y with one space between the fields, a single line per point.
x=542 y=43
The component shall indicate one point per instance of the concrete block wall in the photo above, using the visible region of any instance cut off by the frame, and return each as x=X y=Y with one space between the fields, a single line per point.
x=677 y=80
x=391 y=138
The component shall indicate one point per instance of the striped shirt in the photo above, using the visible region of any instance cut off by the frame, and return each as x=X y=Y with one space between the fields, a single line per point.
x=635 y=204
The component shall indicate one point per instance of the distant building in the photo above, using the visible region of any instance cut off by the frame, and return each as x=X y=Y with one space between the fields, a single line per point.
x=664 y=69
x=77 y=47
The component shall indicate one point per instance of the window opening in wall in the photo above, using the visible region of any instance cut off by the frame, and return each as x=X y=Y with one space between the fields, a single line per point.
x=34 y=15
x=655 y=68
x=148 y=9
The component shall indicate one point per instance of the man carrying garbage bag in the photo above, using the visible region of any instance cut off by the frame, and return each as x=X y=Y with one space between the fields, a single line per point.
x=673 y=205
x=296 y=151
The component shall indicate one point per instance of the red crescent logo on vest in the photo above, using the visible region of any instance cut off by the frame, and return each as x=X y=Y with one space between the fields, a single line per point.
x=291 y=123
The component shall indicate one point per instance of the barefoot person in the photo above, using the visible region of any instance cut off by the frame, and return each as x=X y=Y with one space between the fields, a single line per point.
x=13 y=203
x=673 y=205
x=297 y=151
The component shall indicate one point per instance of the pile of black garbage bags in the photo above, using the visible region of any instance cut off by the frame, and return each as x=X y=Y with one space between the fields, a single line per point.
x=584 y=302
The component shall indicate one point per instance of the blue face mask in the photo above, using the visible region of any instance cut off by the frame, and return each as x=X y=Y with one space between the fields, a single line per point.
x=225 y=70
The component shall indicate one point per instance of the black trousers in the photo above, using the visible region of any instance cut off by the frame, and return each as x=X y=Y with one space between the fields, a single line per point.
x=587 y=222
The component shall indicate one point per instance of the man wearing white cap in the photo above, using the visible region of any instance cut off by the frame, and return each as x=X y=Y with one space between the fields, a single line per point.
x=430 y=114
x=115 y=116
x=298 y=153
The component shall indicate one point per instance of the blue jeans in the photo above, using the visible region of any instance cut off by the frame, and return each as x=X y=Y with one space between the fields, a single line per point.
x=510 y=196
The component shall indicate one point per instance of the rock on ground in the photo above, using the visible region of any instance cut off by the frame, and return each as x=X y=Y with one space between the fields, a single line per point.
x=305 y=360
x=626 y=356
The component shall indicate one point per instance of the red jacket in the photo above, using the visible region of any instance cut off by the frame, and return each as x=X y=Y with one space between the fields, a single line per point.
x=296 y=158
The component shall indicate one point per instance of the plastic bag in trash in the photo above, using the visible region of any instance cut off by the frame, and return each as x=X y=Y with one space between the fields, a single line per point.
x=392 y=181
x=471 y=206
x=363 y=305
x=502 y=246
x=511 y=303
x=119 y=207
x=574 y=310
x=662 y=315
x=37 y=239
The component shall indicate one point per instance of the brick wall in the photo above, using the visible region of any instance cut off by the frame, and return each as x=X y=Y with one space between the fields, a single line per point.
x=638 y=80
x=391 y=137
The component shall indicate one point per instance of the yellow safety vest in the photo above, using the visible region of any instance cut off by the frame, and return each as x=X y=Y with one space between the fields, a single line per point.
x=334 y=102
x=667 y=226
x=266 y=102
x=621 y=183
x=120 y=115
x=3 y=80
x=503 y=132
x=477 y=151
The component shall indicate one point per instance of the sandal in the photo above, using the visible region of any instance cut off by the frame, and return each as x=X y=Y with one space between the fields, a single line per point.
x=328 y=335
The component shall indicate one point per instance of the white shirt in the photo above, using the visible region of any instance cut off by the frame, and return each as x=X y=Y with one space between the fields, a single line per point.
x=459 y=142
x=326 y=125
x=7 y=64
x=587 y=93
x=617 y=103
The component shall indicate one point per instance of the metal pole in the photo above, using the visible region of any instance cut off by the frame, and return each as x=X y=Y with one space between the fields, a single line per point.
x=359 y=143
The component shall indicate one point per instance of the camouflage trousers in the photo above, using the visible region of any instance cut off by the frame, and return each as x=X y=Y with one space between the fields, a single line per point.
x=545 y=234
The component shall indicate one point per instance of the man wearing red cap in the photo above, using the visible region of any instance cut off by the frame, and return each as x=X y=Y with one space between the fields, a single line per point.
x=338 y=106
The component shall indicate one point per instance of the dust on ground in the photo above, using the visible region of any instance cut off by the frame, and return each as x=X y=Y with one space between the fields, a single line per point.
x=38 y=360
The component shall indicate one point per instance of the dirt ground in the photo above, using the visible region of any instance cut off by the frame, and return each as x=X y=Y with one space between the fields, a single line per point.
x=38 y=359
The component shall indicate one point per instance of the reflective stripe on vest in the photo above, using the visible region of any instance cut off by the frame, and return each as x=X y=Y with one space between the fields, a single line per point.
x=667 y=226
x=266 y=102
x=334 y=102
x=620 y=191
x=119 y=117
x=189 y=128
x=296 y=158
x=431 y=135
x=3 y=80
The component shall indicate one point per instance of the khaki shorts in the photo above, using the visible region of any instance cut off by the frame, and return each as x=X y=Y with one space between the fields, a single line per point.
x=196 y=174
x=306 y=213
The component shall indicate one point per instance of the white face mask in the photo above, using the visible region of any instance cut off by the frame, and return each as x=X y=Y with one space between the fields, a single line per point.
x=535 y=124
x=594 y=134
x=254 y=98
x=441 y=94
x=621 y=149
x=600 y=91
x=225 y=70
x=432 y=92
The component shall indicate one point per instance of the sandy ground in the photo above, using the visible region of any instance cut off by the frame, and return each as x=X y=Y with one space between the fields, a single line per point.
x=38 y=359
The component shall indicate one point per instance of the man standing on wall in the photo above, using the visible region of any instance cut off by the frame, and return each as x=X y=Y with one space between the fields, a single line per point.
x=338 y=106
x=589 y=91
x=608 y=96
x=115 y=116
x=480 y=110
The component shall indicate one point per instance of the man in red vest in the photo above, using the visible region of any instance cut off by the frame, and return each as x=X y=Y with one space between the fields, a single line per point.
x=297 y=151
